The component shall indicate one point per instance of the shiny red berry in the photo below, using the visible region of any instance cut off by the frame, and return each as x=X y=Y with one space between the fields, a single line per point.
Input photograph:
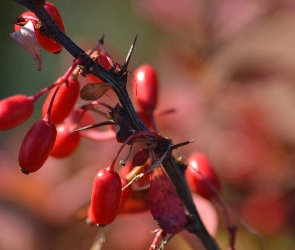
x=63 y=103
x=36 y=146
x=126 y=193
x=46 y=42
x=14 y=110
x=66 y=141
x=106 y=196
x=145 y=87
x=201 y=177
x=24 y=18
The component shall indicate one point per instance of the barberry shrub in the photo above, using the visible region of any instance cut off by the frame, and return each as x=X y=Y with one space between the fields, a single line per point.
x=152 y=176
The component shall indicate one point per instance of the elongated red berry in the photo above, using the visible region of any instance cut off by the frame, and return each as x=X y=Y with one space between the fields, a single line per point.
x=201 y=177
x=66 y=141
x=145 y=87
x=63 y=103
x=36 y=146
x=14 y=110
x=106 y=196
x=126 y=193
x=46 y=42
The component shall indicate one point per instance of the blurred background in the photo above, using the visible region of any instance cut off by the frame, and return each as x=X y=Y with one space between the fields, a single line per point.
x=227 y=67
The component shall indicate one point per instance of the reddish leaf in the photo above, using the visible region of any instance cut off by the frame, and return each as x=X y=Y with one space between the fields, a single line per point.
x=140 y=157
x=165 y=204
x=93 y=91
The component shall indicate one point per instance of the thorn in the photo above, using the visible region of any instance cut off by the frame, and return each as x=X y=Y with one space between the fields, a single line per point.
x=129 y=55
x=94 y=126
x=101 y=40
x=102 y=48
x=181 y=144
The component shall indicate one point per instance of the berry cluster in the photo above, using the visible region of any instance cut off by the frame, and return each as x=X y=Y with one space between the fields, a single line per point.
x=53 y=135
x=59 y=133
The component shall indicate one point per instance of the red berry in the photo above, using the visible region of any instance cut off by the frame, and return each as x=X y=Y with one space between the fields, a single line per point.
x=24 y=18
x=36 y=146
x=46 y=42
x=66 y=141
x=99 y=57
x=106 y=196
x=201 y=177
x=14 y=110
x=63 y=103
x=145 y=88
x=75 y=116
x=126 y=193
